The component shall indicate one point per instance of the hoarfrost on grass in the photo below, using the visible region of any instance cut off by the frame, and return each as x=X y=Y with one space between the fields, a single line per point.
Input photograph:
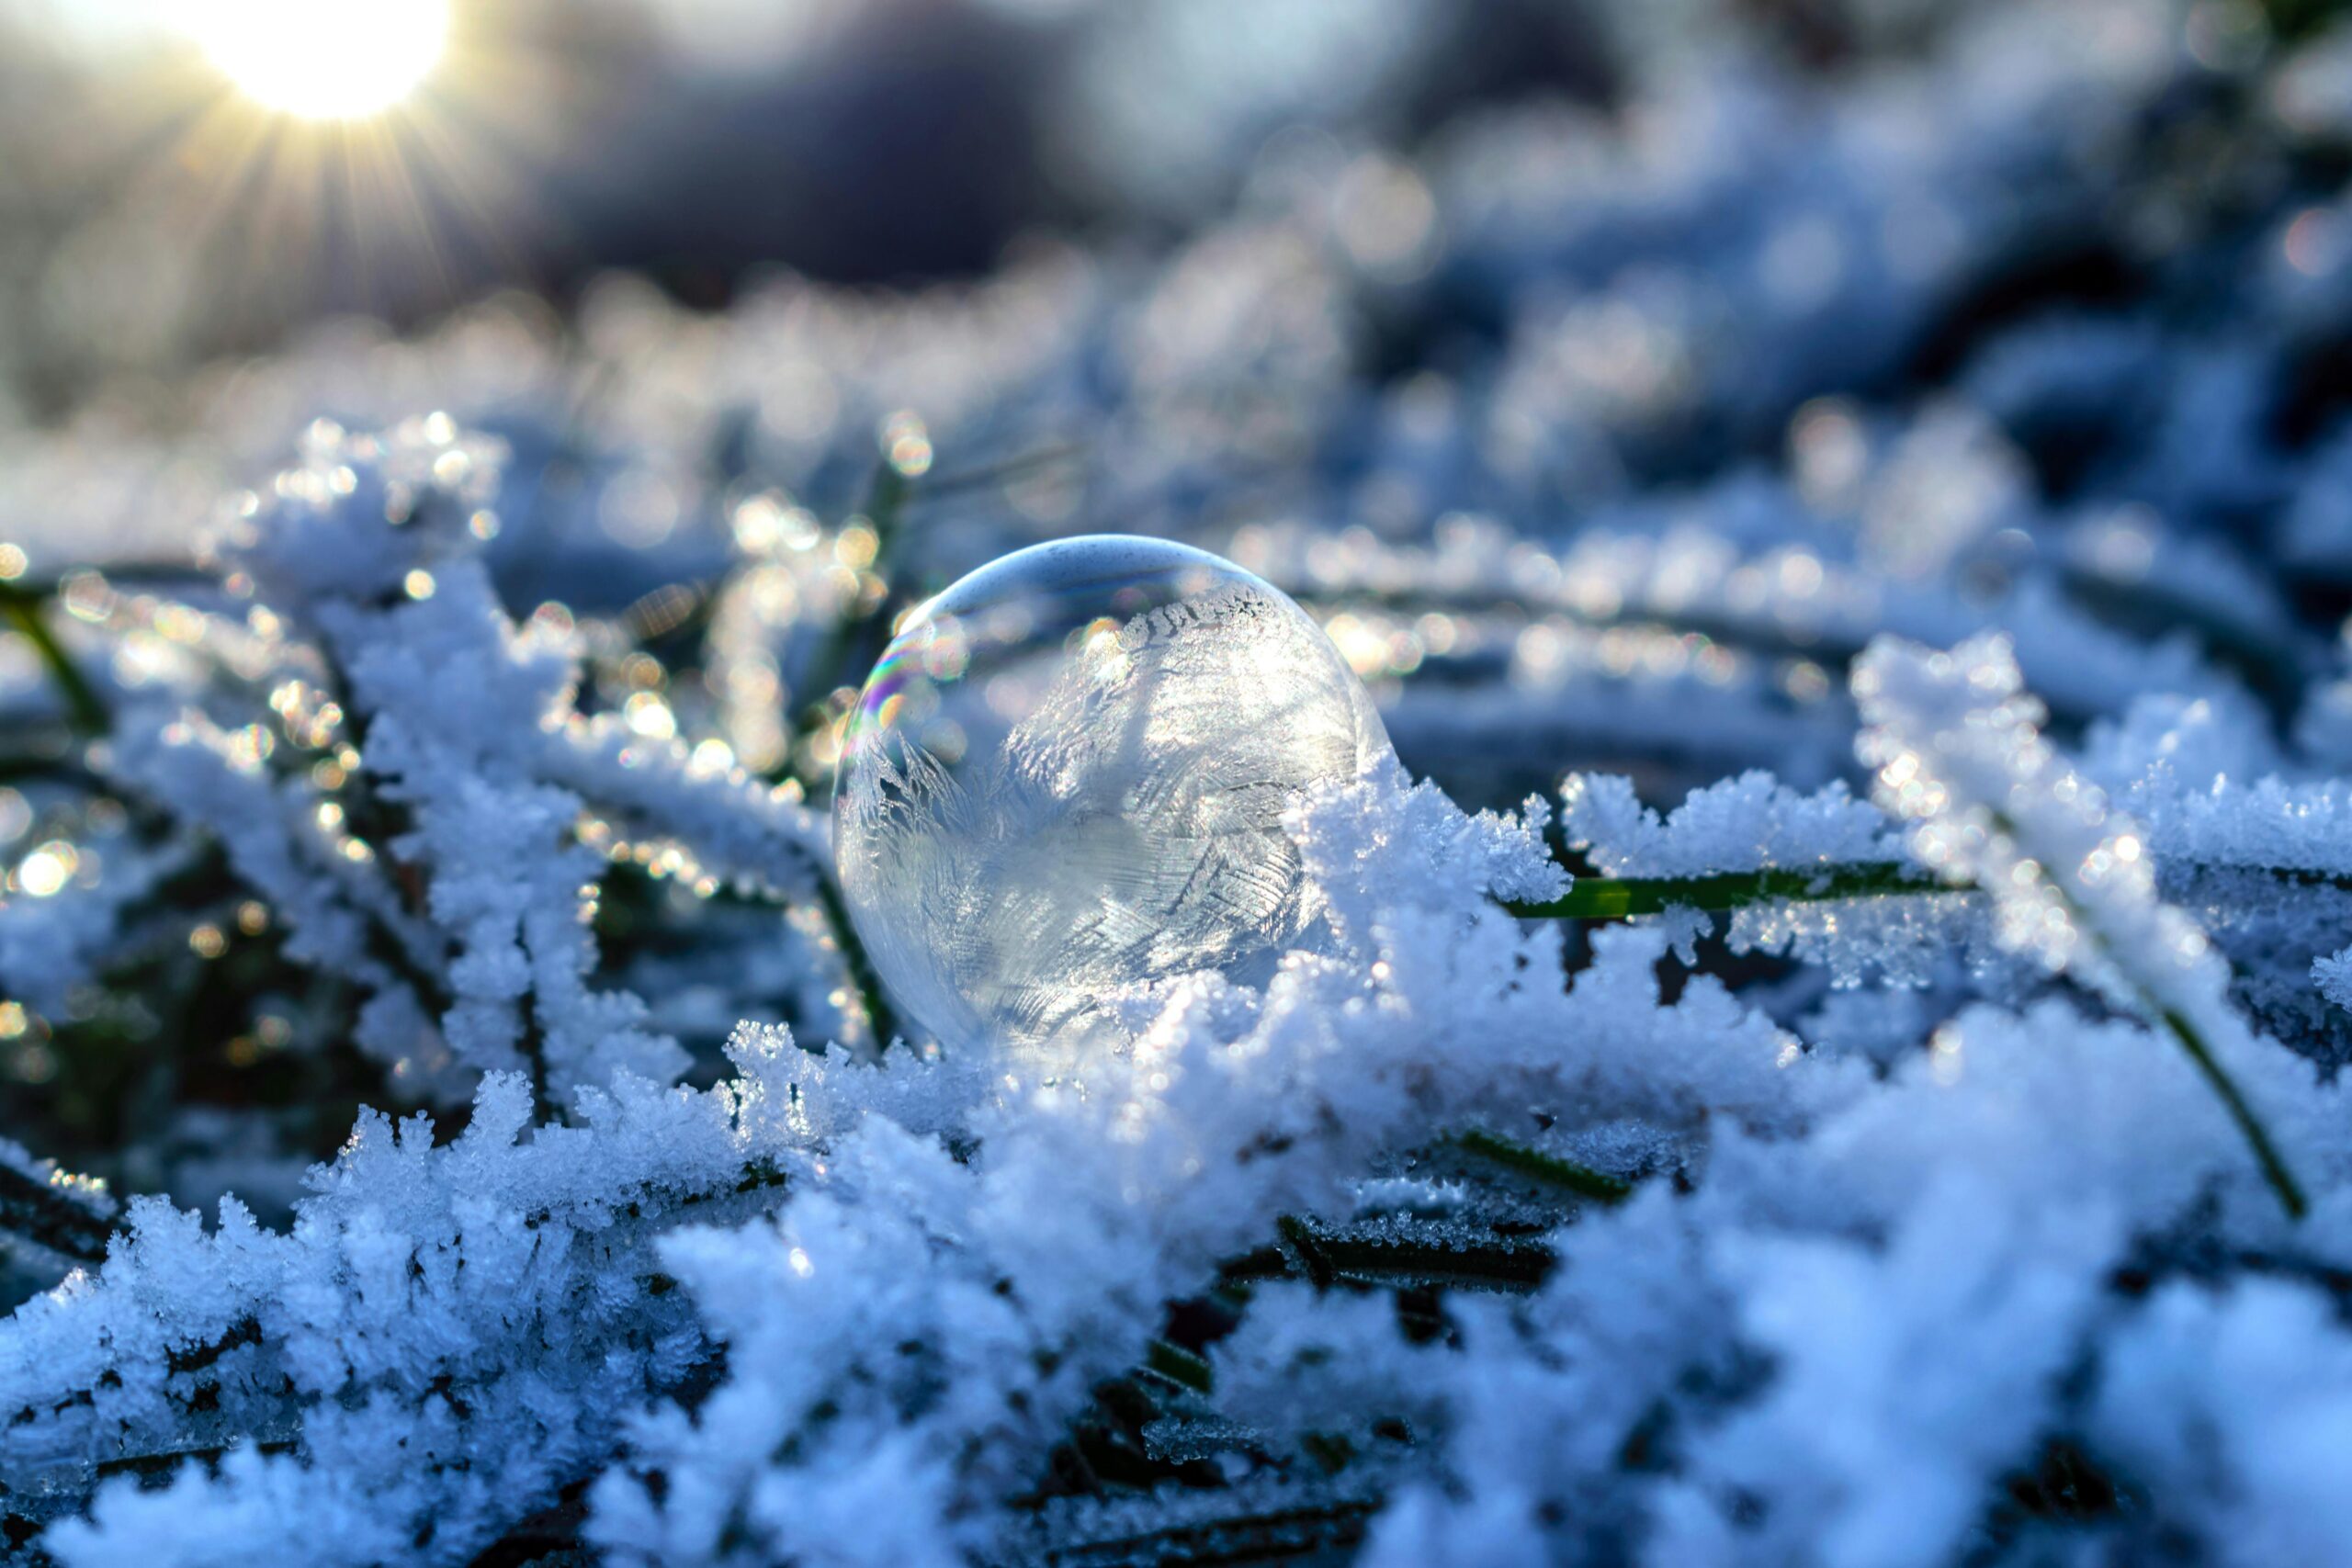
x=1739 y=418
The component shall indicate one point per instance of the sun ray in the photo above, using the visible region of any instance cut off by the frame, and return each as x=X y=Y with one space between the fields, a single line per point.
x=341 y=60
x=295 y=203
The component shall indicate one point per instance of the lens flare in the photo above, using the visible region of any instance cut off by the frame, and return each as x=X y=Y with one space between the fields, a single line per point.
x=325 y=59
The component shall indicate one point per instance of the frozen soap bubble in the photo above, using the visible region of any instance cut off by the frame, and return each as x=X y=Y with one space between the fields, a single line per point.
x=1066 y=778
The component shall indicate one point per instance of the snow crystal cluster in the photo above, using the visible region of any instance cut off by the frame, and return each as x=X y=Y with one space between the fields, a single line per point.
x=1822 y=1044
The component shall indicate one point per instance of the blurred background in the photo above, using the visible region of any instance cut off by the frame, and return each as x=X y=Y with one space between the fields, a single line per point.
x=1638 y=237
x=1683 y=218
x=1602 y=374
x=188 y=178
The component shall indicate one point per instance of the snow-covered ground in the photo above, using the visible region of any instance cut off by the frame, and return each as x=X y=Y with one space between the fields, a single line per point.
x=1819 y=1048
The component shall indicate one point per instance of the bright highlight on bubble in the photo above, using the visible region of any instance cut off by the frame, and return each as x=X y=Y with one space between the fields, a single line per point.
x=1066 y=777
x=324 y=59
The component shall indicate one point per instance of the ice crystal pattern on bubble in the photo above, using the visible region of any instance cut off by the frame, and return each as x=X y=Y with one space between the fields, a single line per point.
x=1067 y=777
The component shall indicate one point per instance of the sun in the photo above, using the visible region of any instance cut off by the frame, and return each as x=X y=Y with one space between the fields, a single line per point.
x=324 y=59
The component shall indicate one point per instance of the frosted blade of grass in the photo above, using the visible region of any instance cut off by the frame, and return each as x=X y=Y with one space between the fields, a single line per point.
x=879 y=1018
x=1619 y=898
x=21 y=607
x=1622 y=897
x=1956 y=745
x=69 y=1216
x=1549 y=1169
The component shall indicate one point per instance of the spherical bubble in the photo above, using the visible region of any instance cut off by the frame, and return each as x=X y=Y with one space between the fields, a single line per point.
x=1066 y=778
